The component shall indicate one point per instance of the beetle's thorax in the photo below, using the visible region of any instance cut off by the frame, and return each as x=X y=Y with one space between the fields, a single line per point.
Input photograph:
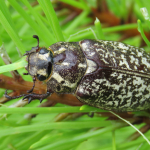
x=68 y=68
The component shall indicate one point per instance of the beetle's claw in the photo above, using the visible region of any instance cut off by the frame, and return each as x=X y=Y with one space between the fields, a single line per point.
x=41 y=100
x=29 y=100
x=29 y=97
x=6 y=95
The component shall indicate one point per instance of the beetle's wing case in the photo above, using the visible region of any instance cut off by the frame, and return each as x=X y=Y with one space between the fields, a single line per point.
x=68 y=67
x=121 y=80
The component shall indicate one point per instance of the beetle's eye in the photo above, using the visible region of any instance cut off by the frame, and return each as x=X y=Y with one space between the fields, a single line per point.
x=43 y=51
x=41 y=77
x=49 y=68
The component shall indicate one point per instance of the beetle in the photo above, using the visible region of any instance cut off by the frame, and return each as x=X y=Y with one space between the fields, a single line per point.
x=105 y=74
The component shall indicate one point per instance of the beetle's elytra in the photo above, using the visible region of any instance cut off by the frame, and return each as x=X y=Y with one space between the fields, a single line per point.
x=104 y=74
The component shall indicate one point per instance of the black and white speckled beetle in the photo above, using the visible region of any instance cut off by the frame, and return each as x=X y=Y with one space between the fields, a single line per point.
x=104 y=74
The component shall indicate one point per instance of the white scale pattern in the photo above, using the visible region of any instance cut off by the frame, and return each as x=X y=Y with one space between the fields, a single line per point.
x=128 y=87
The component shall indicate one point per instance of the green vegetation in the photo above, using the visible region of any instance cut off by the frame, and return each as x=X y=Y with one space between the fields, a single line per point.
x=61 y=126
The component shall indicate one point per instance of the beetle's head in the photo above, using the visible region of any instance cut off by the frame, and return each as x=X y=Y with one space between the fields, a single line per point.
x=40 y=62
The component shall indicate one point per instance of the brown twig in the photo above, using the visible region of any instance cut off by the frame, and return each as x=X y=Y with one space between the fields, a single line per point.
x=40 y=88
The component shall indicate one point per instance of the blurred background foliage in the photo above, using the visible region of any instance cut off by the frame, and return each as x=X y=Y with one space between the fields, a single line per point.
x=62 y=126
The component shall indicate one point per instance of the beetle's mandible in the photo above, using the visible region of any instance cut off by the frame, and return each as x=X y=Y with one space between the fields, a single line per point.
x=104 y=74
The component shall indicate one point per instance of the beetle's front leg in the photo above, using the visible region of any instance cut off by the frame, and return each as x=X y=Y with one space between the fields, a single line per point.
x=33 y=96
x=30 y=97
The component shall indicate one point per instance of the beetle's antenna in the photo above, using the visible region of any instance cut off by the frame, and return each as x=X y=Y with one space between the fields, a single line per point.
x=36 y=37
x=34 y=49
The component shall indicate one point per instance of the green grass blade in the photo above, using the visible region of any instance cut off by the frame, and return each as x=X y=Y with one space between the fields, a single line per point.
x=99 y=31
x=50 y=110
x=7 y=15
x=76 y=4
x=14 y=36
x=140 y=29
x=56 y=125
x=76 y=22
x=51 y=16
x=31 y=22
x=83 y=137
x=17 y=65
x=38 y=20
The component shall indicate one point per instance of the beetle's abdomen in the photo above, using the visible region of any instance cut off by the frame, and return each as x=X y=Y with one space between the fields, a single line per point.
x=68 y=68
x=121 y=81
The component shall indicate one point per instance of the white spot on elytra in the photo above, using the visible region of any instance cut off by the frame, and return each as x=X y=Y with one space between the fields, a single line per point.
x=123 y=61
x=132 y=59
x=144 y=61
x=81 y=90
x=84 y=45
x=91 y=66
x=123 y=46
x=92 y=53
x=139 y=54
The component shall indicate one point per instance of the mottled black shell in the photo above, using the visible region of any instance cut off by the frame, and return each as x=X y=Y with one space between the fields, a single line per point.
x=120 y=80
x=104 y=74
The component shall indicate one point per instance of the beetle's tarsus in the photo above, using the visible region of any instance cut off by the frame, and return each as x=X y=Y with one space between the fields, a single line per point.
x=34 y=96
x=14 y=97
x=30 y=97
